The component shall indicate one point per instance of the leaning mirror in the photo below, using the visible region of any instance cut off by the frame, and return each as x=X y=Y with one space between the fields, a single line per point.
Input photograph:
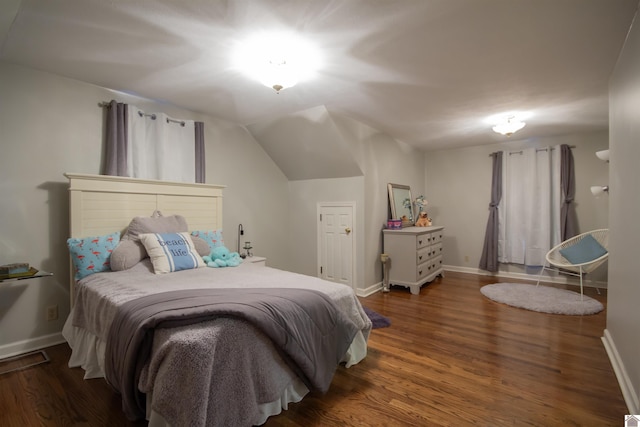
x=401 y=203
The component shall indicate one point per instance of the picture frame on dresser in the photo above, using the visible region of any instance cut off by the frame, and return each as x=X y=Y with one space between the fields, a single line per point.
x=401 y=203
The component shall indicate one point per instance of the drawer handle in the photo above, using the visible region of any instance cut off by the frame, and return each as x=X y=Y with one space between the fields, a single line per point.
x=420 y=257
x=419 y=242
x=419 y=272
x=429 y=268
x=429 y=239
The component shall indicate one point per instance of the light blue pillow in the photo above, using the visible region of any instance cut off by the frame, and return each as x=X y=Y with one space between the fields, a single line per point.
x=91 y=254
x=171 y=252
x=587 y=249
x=212 y=237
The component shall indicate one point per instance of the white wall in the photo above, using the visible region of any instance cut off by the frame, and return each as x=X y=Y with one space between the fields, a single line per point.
x=623 y=302
x=458 y=188
x=383 y=160
x=51 y=125
x=306 y=145
x=257 y=191
x=304 y=197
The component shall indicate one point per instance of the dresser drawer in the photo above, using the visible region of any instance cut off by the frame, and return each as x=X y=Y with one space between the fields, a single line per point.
x=436 y=237
x=436 y=250
x=422 y=255
x=423 y=240
x=435 y=264
x=423 y=270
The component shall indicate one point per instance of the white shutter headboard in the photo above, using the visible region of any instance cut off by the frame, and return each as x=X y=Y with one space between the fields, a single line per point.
x=102 y=204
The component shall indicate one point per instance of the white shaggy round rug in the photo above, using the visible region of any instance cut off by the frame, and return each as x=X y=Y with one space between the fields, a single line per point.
x=542 y=298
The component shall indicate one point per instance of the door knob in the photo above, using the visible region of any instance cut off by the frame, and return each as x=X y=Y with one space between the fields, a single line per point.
x=347 y=230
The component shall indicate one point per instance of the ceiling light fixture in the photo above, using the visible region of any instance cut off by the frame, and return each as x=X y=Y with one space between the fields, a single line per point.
x=278 y=61
x=277 y=74
x=509 y=126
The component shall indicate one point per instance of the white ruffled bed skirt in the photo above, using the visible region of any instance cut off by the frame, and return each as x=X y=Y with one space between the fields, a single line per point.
x=87 y=352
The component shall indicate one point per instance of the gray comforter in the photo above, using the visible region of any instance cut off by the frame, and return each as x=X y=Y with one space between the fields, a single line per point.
x=311 y=334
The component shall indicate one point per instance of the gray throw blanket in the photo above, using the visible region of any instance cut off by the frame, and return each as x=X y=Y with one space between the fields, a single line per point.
x=311 y=334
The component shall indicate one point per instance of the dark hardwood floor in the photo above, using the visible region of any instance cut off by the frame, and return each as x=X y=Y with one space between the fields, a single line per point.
x=450 y=357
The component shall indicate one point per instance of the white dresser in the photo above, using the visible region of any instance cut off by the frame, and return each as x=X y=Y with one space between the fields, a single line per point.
x=415 y=256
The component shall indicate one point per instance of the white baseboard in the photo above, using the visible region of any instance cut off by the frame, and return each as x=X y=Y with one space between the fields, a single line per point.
x=376 y=287
x=20 y=347
x=631 y=397
x=523 y=276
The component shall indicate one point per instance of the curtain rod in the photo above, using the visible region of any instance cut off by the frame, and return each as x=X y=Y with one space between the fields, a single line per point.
x=537 y=149
x=141 y=114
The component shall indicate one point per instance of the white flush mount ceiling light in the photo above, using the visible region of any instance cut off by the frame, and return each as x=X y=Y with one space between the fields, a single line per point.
x=508 y=123
x=509 y=126
x=277 y=60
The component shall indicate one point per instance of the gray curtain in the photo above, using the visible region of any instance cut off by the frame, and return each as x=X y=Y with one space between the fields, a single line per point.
x=489 y=258
x=200 y=166
x=116 y=143
x=116 y=140
x=568 y=219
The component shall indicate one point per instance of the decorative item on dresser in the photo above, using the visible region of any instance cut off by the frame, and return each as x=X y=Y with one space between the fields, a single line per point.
x=415 y=256
x=401 y=204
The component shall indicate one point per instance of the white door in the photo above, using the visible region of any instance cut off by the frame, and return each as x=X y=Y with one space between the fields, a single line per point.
x=336 y=242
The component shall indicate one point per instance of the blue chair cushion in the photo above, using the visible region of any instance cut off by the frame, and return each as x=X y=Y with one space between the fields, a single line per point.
x=587 y=249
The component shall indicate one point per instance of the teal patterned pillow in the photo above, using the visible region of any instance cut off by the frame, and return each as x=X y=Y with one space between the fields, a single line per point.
x=91 y=254
x=212 y=237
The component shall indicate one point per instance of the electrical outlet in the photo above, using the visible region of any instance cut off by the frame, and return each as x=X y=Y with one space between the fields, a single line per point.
x=52 y=313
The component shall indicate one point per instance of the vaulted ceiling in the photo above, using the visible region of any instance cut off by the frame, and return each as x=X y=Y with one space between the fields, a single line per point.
x=426 y=72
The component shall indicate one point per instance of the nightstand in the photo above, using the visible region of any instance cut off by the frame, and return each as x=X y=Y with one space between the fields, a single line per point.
x=259 y=260
x=37 y=274
x=32 y=358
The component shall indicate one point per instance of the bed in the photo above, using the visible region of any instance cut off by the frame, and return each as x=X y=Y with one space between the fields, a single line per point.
x=229 y=366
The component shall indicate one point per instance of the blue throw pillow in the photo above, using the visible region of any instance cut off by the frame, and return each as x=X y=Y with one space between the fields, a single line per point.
x=212 y=237
x=91 y=254
x=587 y=249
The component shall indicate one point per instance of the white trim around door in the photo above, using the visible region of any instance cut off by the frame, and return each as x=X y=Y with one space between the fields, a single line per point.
x=336 y=227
